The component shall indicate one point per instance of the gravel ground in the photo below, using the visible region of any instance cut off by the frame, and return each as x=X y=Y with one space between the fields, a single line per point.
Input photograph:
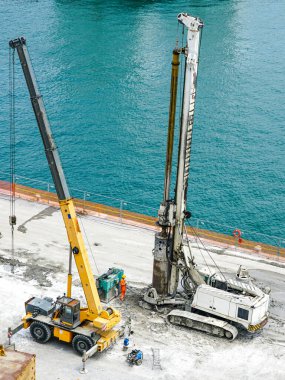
x=40 y=268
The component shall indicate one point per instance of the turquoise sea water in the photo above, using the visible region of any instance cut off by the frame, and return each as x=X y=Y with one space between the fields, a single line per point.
x=104 y=71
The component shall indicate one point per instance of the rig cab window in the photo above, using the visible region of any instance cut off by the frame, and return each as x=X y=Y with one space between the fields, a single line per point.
x=242 y=313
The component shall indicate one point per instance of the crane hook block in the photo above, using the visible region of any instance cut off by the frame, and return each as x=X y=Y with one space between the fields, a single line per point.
x=12 y=220
x=75 y=250
x=187 y=214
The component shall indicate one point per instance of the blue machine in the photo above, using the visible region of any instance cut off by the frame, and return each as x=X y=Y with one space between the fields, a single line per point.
x=135 y=357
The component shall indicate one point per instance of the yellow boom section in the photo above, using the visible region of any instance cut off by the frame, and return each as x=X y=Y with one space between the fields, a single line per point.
x=81 y=258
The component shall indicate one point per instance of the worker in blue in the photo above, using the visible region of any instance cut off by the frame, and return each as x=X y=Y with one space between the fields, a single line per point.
x=126 y=344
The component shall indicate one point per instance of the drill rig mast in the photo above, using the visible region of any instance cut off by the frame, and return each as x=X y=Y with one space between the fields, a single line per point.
x=208 y=302
x=172 y=213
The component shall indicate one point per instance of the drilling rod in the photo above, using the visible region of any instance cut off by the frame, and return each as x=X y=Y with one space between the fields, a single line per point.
x=171 y=122
x=161 y=250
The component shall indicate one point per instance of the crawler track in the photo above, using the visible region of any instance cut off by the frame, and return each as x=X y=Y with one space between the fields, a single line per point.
x=210 y=325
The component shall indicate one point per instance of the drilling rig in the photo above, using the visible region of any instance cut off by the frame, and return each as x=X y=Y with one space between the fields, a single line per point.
x=199 y=299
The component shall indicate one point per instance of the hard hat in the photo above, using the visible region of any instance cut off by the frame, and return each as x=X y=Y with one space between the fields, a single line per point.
x=123 y=276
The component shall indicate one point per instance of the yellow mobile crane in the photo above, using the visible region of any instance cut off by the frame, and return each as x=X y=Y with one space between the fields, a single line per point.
x=64 y=318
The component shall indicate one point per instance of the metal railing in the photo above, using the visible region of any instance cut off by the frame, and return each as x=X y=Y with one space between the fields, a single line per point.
x=123 y=205
x=245 y=234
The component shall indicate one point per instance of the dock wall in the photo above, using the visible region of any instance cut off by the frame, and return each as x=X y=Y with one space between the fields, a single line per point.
x=144 y=221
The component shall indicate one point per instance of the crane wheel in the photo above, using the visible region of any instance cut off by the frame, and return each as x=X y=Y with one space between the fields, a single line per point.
x=81 y=343
x=40 y=332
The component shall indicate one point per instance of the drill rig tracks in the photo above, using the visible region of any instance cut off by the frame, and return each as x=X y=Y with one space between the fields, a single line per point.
x=210 y=325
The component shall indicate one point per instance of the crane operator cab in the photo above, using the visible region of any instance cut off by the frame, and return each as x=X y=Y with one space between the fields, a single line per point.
x=67 y=312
